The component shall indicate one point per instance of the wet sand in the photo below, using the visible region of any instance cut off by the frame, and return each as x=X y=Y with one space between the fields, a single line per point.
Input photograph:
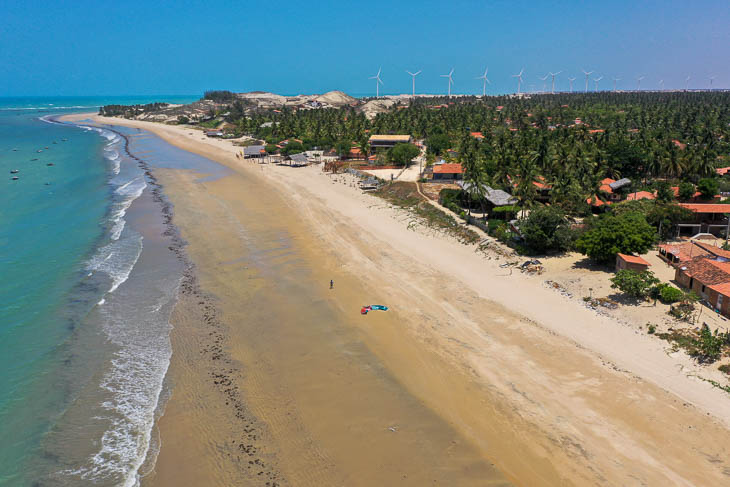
x=467 y=380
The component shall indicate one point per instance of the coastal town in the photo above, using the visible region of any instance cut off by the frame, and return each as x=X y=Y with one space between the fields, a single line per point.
x=667 y=275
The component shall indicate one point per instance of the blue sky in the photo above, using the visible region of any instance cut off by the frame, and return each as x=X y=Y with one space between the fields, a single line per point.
x=185 y=47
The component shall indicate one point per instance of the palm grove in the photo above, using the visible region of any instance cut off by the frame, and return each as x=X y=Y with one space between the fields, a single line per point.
x=566 y=142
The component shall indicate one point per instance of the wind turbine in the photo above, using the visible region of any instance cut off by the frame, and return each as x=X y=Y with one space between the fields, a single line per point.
x=413 y=76
x=614 y=83
x=596 y=80
x=552 y=89
x=587 y=73
x=451 y=81
x=638 y=82
x=661 y=83
x=712 y=78
x=544 y=85
x=686 y=83
x=485 y=81
x=571 y=84
x=519 y=79
x=378 y=82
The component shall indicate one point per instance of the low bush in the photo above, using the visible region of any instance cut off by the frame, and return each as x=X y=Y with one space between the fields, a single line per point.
x=669 y=294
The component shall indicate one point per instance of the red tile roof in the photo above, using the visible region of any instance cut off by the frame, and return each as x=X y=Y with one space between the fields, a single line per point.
x=707 y=271
x=640 y=195
x=477 y=135
x=679 y=144
x=633 y=259
x=447 y=169
x=706 y=207
x=594 y=201
x=722 y=170
x=723 y=288
x=688 y=250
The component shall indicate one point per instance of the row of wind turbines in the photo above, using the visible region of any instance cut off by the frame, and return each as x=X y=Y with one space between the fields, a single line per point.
x=520 y=80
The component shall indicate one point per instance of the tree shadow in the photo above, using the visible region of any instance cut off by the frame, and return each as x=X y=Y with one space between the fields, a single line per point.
x=590 y=265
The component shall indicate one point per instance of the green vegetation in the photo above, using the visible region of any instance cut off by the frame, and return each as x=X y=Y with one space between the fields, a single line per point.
x=405 y=195
x=547 y=230
x=686 y=190
x=638 y=285
x=129 y=111
x=707 y=187
x=626 y=233
x=403 y=154
x=705 y=346
x=219 y=96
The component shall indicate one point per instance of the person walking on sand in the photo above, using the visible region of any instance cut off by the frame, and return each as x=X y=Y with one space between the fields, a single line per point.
x=332 y=284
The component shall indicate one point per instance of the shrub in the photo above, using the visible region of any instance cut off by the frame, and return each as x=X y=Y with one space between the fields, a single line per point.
x=634 y=284
x=182 y=119
x=669 y=294
x=652 y=329
x=686 y=190
x=219 y=96
x=493 y=224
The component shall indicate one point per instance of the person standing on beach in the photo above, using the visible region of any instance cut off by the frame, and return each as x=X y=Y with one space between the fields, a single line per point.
x=332 y=284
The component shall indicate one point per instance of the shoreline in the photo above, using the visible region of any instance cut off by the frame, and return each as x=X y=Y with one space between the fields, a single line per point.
x=575 y=448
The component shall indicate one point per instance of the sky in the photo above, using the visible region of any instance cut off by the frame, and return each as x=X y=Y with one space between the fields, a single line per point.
x=81 y=47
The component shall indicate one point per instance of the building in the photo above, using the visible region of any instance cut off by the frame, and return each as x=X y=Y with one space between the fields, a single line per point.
x=298 y=160
x=493 y=197
x=631 y=262
x=707 y=277
x=708 y=218
x=640 y=195
x=447 y=172
x=679 y=253
x=214 y=133
x=388 y=141
x=254 y=151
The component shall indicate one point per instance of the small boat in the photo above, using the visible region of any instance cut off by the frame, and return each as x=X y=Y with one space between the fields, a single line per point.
x=49 y=164
x=15 y=178
x=14 y=171
x=46 y=148
x=34 y=159
x=64 y=140
x=55 y=142
x=39 y=150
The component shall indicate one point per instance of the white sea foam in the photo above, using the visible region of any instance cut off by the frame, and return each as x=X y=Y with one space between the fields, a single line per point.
x=129 y=191
x=117 y=259
x=49 y=107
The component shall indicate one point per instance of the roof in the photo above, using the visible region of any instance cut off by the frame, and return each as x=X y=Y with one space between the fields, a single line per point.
x=390 y=138
x=477 y=135
x=722 y=288
x=640 y=195
x=300 y=157
x=687 y=250
x=594 y=201
x=707 y=270
x=447 y=169
x=633 y=259
x=495 y=196
x=254 y=150
x=706 y=207
x=620 y=183
x=722 y=170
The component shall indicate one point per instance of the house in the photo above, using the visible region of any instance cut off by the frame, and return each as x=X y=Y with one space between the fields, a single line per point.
x=477 y=135
x=447 y=172
x=387 y=141
x=254 y=151
x=494 y=197
x=708 y=218
x=722 y=170
x=298 y=160
x=631 y=262
x=214 y=133
x=679 y=253
x=640 y=195
x=709 y=278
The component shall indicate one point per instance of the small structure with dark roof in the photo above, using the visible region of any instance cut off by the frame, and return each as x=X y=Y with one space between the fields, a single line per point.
x=298 y=160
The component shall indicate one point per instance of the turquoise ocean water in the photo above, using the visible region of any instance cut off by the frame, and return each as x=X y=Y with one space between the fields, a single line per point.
x=79 y=344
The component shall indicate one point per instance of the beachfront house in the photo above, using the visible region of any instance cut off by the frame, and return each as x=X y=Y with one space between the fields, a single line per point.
x=679 y=253
x=494 y=198
x=214 y=133
x=254 y=151
x=385 y=142
x=298 y=160
x=709 y=278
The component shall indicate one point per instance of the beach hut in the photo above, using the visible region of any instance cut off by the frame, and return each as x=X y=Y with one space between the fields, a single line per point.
x=631 y=262
x=298 y=160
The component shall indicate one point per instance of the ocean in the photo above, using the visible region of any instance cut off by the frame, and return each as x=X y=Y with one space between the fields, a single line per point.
x=87 y=281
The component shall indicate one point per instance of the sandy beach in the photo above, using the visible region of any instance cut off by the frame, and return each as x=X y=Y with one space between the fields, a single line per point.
x=475 y=376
